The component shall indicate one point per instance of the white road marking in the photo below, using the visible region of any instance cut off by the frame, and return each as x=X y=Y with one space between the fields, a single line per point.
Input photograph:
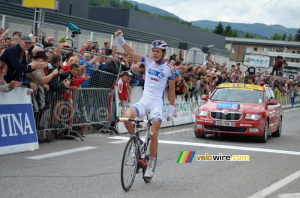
x=177 y=131
x=59 y=153
x=274 y=187
x=219 y=146
x=290 y=195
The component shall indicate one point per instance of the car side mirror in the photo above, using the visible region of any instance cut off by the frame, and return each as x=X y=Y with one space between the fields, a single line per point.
x=204 y=97
x=273 y=102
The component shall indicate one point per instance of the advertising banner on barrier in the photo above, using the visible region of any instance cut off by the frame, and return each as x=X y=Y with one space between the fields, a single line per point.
x=17 y=127
x=183 y=111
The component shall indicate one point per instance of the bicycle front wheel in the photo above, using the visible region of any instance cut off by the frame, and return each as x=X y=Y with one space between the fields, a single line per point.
x=129 y=164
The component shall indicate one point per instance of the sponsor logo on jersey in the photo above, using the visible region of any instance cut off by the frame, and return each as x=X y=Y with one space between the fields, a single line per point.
x=156 y=73
x=155 y=79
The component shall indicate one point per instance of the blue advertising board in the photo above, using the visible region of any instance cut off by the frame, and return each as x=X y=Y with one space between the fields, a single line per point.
x=17 y=126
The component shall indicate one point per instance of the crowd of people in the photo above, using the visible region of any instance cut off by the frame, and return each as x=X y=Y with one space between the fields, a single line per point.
x=49 y=68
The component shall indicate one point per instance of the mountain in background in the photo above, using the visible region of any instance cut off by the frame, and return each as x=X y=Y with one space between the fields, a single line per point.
x=258 y=30
x=154 y=10
x=255 y=28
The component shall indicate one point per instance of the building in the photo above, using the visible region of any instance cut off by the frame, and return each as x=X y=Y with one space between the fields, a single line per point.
x=289 y=50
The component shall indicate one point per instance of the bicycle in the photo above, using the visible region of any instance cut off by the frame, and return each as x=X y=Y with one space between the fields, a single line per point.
x=135 y=157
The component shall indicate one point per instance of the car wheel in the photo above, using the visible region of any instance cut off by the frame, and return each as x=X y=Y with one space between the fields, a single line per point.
x=200 y=134
x=278 y=132
x=264 y=137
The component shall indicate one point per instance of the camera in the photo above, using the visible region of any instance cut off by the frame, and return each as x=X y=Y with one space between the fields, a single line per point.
x=75 y=30
x=121 y=57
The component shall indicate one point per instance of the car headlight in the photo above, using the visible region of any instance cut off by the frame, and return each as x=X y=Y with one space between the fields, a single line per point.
x=201 y=113
x=253 y=116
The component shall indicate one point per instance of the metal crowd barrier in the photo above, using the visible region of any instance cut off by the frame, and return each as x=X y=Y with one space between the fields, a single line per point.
x=66 y=111
x=56 y=116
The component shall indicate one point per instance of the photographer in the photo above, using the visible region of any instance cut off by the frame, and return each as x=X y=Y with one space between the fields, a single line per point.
x=114 y=65
x=55 y=83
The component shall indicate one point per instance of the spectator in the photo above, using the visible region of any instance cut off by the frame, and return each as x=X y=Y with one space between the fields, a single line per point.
x=233 y=77
x=114 y=49
x=3 y=34
x=15 y=58
x=135 y=80
x=83 y=48
x=56 y=84
x=222 y=79
x=2 y=44
x=68 y=56
x=142 y=70
x=107 y=49
x=179 y=83
x=72 y=76
x=114 y=64
x=101 y=64
x=123 y=81
x=173 y=57
x=44 y=38
x=277 y=65
x=38 y=76
x=14 y=41
x=89 y=45
x=74 y=60
x=50 y=43
x=166 y=59
x=177 y=65
x=16 y=35
x=4 y=87
x=7 y=42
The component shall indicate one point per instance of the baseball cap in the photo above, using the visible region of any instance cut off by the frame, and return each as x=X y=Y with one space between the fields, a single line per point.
x=218 y=73
x=51 y=38
x=26 y=39
x=177 y=72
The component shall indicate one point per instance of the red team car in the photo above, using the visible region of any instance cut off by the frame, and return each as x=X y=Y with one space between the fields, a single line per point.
x=237 y=108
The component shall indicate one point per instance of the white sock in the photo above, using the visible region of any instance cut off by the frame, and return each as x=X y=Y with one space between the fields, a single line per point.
x=151 y=162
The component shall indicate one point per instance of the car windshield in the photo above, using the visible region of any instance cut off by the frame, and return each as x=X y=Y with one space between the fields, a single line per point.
x=238 y=95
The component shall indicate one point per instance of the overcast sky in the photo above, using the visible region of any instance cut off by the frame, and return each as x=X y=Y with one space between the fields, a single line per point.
x=270 y=12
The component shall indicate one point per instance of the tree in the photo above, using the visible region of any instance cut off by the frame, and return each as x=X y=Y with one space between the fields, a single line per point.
x=136 y=7
x=284 y=37
x=297 y=35
x=276 y=37
x=228 y=31
x=234 y=33
x=290 y=38
x=219 y=29
x=247 y=35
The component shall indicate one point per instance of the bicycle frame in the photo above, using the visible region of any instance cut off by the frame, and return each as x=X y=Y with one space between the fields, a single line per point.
x=136 y=136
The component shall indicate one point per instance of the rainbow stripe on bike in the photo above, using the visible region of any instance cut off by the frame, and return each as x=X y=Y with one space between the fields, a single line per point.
x=185 y=158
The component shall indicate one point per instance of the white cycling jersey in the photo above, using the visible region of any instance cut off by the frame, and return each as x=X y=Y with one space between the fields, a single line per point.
x=156 y=77
x=156 y=81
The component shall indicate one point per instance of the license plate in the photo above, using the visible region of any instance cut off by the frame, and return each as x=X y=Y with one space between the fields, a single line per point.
x=221 y=123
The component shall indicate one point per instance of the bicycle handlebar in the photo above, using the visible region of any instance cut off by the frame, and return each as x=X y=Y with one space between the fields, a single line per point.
x=132 y=119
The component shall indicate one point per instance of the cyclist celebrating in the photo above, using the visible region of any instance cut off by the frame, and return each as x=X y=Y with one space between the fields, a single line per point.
x=158 y=76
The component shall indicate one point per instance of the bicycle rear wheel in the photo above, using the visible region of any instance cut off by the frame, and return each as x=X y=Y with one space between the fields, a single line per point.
x=129 y=164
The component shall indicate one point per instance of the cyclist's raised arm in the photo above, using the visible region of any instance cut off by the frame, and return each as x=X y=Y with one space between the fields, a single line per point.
x=119 y=39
